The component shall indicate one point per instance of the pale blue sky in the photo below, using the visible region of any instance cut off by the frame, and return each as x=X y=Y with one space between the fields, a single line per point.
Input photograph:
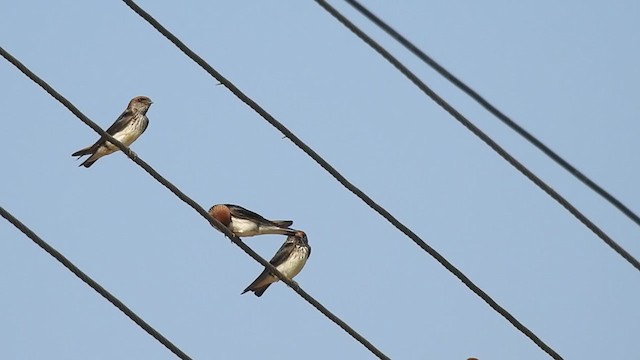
x=566 y=71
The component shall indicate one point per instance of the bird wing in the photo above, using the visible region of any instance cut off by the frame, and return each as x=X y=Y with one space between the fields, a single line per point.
x=265 y=278
x=242 y=213
x=283 y=253
x=120 y=123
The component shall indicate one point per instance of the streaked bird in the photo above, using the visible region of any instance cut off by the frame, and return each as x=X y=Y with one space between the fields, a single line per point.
x=243 y=222
x=289 y=260
x=126 y=129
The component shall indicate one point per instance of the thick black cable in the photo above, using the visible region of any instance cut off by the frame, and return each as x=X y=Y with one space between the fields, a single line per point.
x=214 y=222
x=493 y=110
x=341 y=179
x=484 y=137
x=93 y=284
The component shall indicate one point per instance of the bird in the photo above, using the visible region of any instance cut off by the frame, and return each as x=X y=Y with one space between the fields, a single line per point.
x=289 y=260
x=242 y=222
x=126 y=129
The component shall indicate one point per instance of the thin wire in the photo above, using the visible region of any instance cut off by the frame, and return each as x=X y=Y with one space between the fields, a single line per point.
x=341 y=179
x=93 y=284
x=214 y=222
x=493 y=110
x=484 y=137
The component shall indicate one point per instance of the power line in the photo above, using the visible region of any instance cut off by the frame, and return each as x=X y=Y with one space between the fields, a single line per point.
x=214 y=222
x=493 y=110
x=484 y=137
x=93 y=284
x=341 y=179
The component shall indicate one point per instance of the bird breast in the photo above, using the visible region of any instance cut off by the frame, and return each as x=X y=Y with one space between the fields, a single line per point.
x=243 y=227
x=131 y=133
x=295 y=263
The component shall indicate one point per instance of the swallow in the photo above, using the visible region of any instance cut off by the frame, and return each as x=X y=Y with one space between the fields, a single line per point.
x=127 y=128
x=289 y=260
x=242 y=222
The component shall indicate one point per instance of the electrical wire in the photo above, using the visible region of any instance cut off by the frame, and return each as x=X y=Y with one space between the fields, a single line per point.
x=214 y=222
x=340 y=178
x=493 y=110
x=484 y=137
x=93 y=284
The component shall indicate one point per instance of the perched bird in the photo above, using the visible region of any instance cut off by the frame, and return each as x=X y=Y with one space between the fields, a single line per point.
x=243 y=222
x=289 y=260
x=126 y=129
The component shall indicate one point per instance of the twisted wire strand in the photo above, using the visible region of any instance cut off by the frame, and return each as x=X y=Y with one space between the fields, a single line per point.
x=480 y=134
x=493 y=110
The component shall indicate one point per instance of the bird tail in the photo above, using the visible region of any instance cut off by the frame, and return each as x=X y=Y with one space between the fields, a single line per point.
x=82 y=152
x=283 y=223
x=95 y=151
x=260 y=291
x=277 y=230
x=261 y=283
x=87 y=163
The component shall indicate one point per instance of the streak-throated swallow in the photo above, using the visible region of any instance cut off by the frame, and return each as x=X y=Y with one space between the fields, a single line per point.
x=243 y=222
x=289 y=260
x=126 y=129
